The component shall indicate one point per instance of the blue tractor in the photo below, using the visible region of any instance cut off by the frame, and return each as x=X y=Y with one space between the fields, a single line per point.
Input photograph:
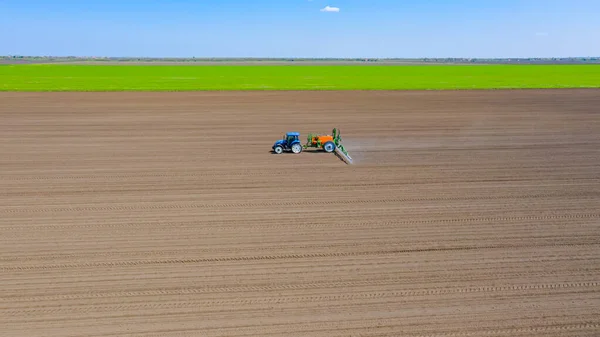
x=290 y=142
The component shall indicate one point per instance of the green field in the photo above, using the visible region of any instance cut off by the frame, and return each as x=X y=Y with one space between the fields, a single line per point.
x=51 y=77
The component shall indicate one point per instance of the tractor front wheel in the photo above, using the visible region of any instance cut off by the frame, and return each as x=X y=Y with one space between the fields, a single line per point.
x=296 y=148
x=278 y=149
x=329 y=147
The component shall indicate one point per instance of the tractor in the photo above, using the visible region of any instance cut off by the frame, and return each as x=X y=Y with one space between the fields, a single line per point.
x=290 y=142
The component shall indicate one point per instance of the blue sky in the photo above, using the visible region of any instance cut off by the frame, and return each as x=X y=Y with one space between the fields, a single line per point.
x=298 y=28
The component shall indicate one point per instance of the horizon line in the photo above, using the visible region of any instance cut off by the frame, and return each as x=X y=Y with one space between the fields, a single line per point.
x=299 y=58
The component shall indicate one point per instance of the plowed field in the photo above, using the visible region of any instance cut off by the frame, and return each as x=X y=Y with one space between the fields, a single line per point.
x=165 y=214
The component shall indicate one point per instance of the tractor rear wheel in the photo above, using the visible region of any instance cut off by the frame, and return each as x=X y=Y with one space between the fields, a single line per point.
x=278 y=149
x=296 y=148
x=329 y=147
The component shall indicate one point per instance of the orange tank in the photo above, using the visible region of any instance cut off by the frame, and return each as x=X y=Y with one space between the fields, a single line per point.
x=322 y=139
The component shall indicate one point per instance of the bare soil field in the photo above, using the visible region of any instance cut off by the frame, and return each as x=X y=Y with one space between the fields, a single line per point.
x=145 y=214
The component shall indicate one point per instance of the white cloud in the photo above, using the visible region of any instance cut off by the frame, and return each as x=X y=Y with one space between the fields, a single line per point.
x=330 y=9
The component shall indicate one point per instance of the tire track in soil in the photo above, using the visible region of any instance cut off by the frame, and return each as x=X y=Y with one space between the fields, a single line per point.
x=285 y=256
x=222 y=225
x=349 y=284
x=12 y=209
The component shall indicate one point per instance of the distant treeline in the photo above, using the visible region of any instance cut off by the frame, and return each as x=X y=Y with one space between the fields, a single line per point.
x=553 y=60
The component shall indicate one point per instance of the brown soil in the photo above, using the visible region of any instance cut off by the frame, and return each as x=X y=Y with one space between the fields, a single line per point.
x=144 y=214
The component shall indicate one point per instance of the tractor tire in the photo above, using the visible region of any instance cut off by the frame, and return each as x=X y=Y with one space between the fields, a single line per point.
x=296 y=148
x=278 y=149
x=329 y=147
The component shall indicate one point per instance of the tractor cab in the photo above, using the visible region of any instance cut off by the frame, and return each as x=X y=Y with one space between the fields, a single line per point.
x=291 y=137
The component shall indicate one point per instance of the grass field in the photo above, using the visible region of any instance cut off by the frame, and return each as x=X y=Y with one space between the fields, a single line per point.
x=47 y=77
